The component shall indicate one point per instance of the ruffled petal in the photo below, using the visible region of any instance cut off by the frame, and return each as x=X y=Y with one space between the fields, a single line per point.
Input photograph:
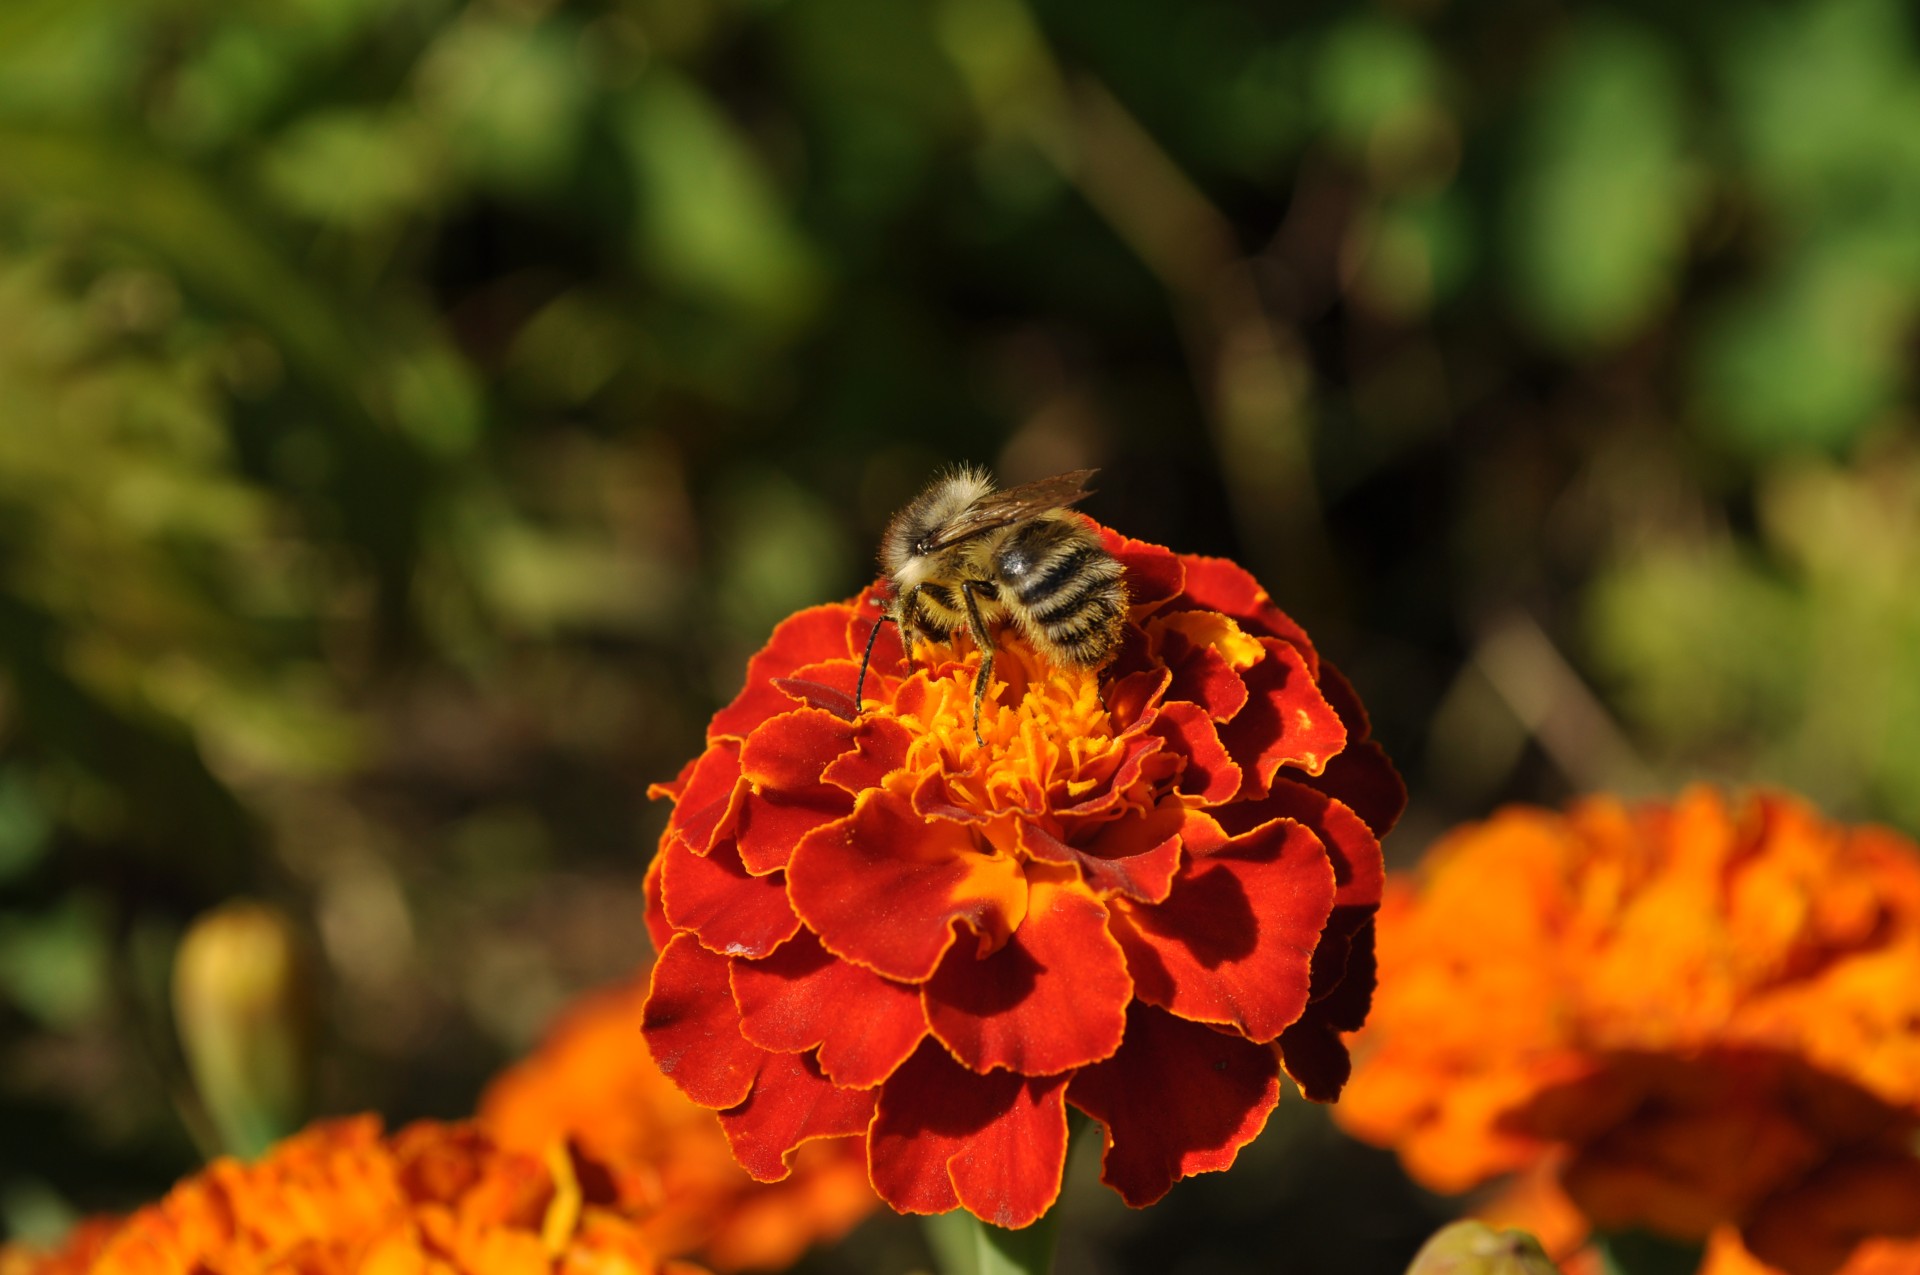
x=806 y=637
x=1177 y=1099
x=791 y=1103
x=1135 y=855
x=659 y=929
x=1287 y=721
x=1233 y=944
x=1312 y=1049
x=732 y=911
x=709 y=799
x=1361 y=775
x=693 y=1029
x=945 y=1137
x=1217 y=584
x=879 y=749
x=1210 y=774
x=783 y=762
x=1053 y=997
x=1155 y=576
x=798 y=998
x=884 y=887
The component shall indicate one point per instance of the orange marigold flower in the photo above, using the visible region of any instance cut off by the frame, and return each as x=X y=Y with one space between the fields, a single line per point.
x=1144 y=893
x=593 y=1086
x=1850 y=1240
x=1699 y=1015
x=72 y=1256
x=339 y=1197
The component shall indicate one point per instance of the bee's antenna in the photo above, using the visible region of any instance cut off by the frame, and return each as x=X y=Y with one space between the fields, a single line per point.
x=866 y=657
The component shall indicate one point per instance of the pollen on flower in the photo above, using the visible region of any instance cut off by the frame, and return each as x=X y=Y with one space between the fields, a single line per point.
x=1044 y=727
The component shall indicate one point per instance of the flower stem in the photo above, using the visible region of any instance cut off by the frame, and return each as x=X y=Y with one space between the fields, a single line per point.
x=964 y=1245
x=1644 y=1253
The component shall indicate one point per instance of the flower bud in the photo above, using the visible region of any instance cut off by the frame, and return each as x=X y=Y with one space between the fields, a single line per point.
x=1474 y=1248
x=243 y=1005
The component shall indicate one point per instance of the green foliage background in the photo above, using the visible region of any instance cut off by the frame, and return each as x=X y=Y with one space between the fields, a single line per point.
x=411 y=414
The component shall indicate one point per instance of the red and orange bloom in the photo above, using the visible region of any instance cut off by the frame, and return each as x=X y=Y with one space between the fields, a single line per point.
x=1147 y=891
x=592 y=1088
x=340 y=1197
x=1697 y=1019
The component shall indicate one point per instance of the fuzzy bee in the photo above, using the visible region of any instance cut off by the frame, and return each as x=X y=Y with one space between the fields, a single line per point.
x=961 y=554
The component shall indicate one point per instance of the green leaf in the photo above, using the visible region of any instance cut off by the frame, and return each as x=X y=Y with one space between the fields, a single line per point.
x=1807 y=360
x=1601 y=201
x=710 y=218
x=1644 y=1253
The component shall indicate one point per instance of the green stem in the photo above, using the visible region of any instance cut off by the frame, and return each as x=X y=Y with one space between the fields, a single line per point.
x=1644 y=1253
x=964 y=1245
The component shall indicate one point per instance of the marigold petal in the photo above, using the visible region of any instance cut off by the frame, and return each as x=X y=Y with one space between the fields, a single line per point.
x=829 y=685
x=1233 y=943
x=672 y=788
x=791 y=1103
x=945 y=1137
x=787 y=753
x=771 y=824
x=1210 y=774
x=783 y=762
x=879 y=749
x=1052 y=998
x=1217 y=584
x=1313 y=1050
x=1818 y=1225
x=811 y=636
x=1359 y=873
x=1140 y=763
x=884 y=887
x=709 y=799
x=693 y=1028
x=715 y=897
x=798 y=998
x=1155 y=575
x=1287 y=721
x=1131 y=695
x=1135 y=855
x=1361 y=775
x=1201 y=674
x=654 y=913
x=1178 y=1099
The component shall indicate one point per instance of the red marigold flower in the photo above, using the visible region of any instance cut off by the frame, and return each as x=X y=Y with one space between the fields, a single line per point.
x=1147 y=891
x=341 y=1198
x=1699 y=1016
x=593 y=1087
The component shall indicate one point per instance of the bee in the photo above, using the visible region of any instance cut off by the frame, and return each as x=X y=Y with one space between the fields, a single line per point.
x=961 y=554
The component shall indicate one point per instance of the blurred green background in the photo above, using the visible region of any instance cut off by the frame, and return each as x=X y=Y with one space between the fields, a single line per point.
x=411 y=414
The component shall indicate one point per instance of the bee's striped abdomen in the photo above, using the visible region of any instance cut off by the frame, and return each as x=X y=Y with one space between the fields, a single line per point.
x=1065 y=589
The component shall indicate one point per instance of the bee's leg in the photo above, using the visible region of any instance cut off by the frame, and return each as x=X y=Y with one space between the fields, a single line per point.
x=901 y=608
x=982 y=639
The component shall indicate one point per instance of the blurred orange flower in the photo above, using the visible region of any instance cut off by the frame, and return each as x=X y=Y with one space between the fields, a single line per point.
x=340 y=1197
x=592 y=1084
x=73 y=1256
x=1696 y=1015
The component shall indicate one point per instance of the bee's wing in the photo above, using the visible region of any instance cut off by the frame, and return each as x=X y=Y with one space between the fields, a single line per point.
x=1001 y=508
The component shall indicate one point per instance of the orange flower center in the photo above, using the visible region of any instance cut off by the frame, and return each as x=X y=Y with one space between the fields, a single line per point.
x=1044 y=726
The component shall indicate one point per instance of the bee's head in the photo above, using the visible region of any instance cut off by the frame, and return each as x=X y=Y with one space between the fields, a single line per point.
x=907 y=550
